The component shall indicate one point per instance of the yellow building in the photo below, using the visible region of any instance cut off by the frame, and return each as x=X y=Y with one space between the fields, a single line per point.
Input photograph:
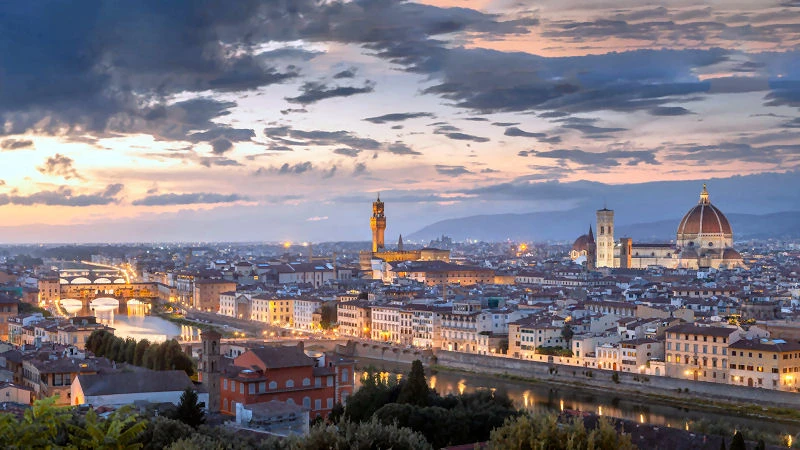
x=765 y=363
x=699 y=353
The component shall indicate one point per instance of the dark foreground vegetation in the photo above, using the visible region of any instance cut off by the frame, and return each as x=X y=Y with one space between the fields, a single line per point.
x=383 y=414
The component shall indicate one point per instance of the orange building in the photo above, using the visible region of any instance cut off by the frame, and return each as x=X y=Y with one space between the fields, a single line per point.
x=286 y=374
x=207 y=292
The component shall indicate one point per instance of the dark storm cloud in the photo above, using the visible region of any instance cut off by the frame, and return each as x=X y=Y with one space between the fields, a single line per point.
x=397 y=117
x=505 y=124
x=64 y=196
x=351 y=152
x=612 y=158
x=16 y=144
x=59 y=165
x=477 y=119
x=542 y=137
x=451 y=171
x=313 y=92
x=188 y=199
x=669 y=111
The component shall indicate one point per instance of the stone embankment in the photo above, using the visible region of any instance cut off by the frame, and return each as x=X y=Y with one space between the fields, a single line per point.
x=673 y=389
x=377 y=350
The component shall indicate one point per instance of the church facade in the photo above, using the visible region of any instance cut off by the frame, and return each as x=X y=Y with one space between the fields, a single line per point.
x=704 y=239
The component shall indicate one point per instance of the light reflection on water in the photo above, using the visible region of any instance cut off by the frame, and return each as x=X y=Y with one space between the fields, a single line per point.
x=132 y=320
x=543 y=398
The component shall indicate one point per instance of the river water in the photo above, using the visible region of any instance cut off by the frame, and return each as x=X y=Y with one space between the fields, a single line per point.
x=134 y=321
x=543 y=398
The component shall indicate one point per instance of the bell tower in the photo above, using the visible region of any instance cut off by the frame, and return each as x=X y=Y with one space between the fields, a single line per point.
x=378 y=224
x=605 y=237
x=209 y=368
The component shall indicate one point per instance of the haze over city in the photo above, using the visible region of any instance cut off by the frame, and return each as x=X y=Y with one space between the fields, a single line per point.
x=122 y=122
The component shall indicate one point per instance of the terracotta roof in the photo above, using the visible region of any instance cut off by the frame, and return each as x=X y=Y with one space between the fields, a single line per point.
x=704 y=218
x=281 y=357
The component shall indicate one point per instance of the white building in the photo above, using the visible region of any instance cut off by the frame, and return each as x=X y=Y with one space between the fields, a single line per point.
x=125 y=388
x=386 y=323
x=304 y=312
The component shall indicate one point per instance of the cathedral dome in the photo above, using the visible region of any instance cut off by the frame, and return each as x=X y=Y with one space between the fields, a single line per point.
x=704 y=219
x=581 y=244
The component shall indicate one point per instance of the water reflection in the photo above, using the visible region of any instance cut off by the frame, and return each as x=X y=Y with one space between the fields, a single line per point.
x=543 y=398
x=131 y=319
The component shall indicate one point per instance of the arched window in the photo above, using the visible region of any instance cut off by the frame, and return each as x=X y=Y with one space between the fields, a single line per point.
x=273 y=385
x=710 y=244
x=306 y=382
x=290 y=401
x=289 y=383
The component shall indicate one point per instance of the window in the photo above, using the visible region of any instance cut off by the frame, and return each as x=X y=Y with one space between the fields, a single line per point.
x=289 y=383
x=233 y=386
x=306 y=382
x=317 y=404
x=251 y=388
x=345 y=376
x=330 y=403
x=262 y=387
x=241 y=388
x=273 y=385
x=306 y=402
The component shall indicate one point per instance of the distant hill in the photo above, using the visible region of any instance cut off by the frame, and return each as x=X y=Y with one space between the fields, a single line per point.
x=568 y=225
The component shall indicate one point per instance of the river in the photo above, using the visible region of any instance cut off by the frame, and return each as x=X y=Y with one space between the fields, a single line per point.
x=541 y=397
x=134 y=321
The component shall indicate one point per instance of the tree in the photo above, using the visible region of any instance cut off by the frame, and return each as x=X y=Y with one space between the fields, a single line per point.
x=738 y=442
x=567 y=333
x=722 y=445
x=189 y=410
x=120 y=431
x=415 y=388
x=162 y=432
x=528 y=432
x=138 y=354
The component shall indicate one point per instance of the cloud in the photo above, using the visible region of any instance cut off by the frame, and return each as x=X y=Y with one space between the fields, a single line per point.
x=16 y=144
x=188 y=199
x=341 y=137
x=352 y=152
x=451 y=171
x=220 y=146
x=317 y=218
x=736 y=151
x=542 y=137
x=489 y=170
x=347 y=73
x=399 y=148
x=397 y=117
x=65 y=196
x=504 y=124
x=330 y=172
x=359 y=169
x=313 y=92
x=669 y=111
x=606 y=159
x=297 y=168
x=456 y=134
x=59 y=165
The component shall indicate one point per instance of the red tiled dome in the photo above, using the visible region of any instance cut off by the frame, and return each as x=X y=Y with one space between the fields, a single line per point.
x=581 y=244
x=704 y=218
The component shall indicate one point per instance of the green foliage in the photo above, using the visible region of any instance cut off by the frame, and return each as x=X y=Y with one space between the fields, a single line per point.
x=528 y=432
x=554 y=351
x=415 y=389
x=165 y=356
x=189 y=410
x=161 y=432
x=567 y=332
x=615 y=377
x=120 y=431
x=373 y=394
x=27 y=308
x=328 y=310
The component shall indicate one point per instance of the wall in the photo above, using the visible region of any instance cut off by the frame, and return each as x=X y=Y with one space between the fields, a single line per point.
x=601 y=379
x=357 y=349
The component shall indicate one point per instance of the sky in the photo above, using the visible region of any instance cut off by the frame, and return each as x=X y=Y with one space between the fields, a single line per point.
x=282 y=120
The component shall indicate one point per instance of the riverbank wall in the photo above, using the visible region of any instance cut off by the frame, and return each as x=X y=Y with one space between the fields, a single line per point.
x=684 y=390
x=360 y=349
